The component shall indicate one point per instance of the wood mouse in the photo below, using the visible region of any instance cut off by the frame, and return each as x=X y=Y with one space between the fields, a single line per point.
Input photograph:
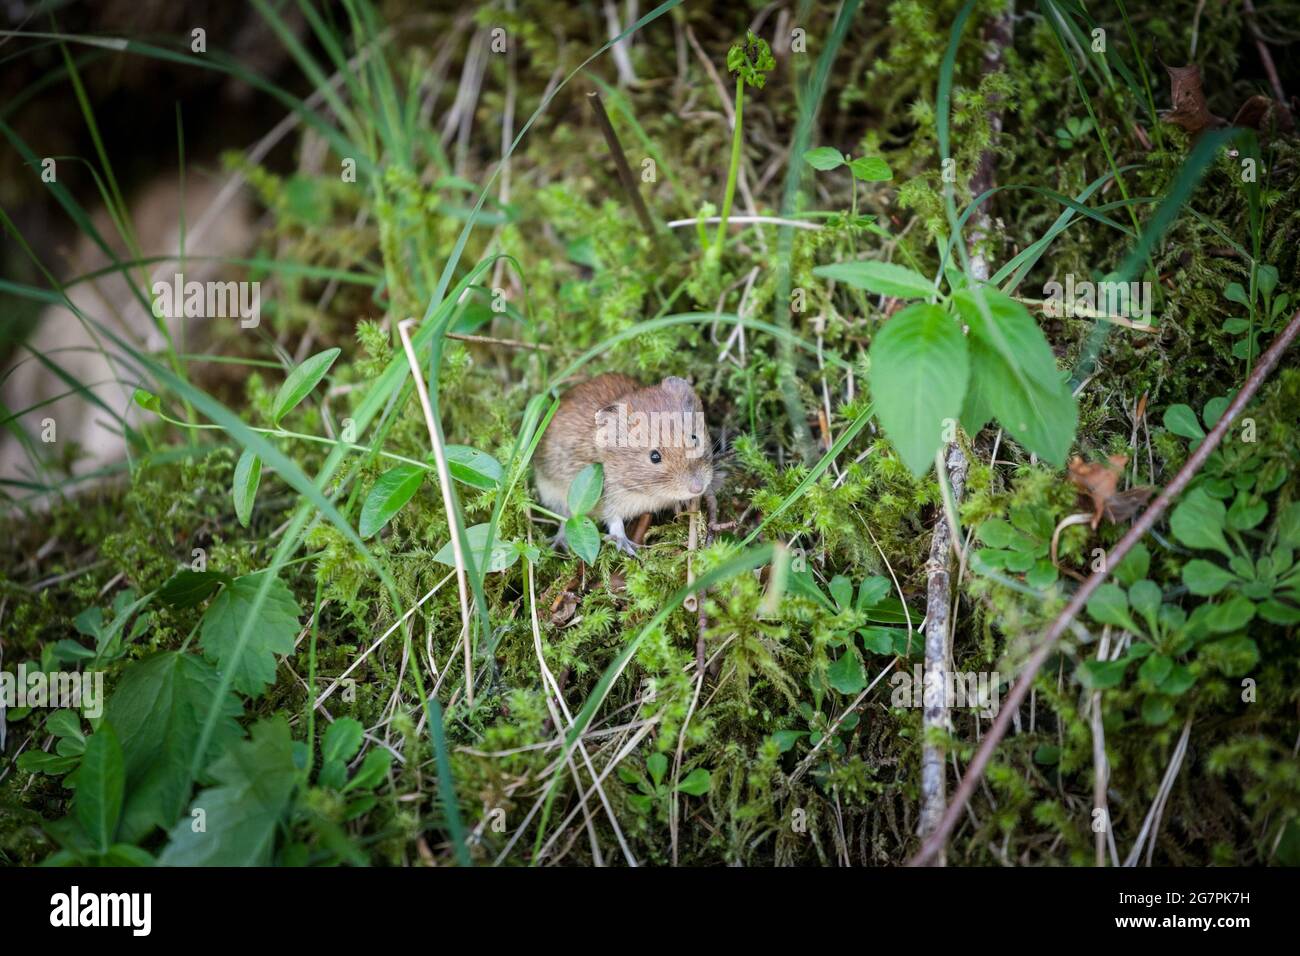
x=652 y=441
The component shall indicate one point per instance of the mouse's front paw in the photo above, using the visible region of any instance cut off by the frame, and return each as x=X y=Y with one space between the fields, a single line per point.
x=624 y=544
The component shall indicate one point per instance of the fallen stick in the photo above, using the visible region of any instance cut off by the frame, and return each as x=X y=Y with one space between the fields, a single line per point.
x=1268 y=361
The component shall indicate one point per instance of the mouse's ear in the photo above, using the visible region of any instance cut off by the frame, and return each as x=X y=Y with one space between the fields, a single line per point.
x=677 y=385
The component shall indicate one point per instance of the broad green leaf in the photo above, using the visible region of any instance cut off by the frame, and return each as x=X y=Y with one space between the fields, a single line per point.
x=1198 y=522
x=393 y=489
x=1134 y=566
x=585 y=490
x=1109 y=605
x=583 y=537
x=472 y=467
x=242 y=812
x=1100 y=675
x=38 y=761
x=273 y=631
x=1232 y=615
x=919 y=370
x=1156 y=710
x=873 y=590
x=1181 y=420
x=824 y=158
x=696 y=783
x=997 y=533
x=883 y=278
x=656 y=765
x=157 y=709
x=101 y=780
x=300 y=383
x=504 y=553
x=846 y=675
x=248 y=473
x=1205 y=577
x=189 y=588
x=841 y=589
x=1155 y=669
x=342 y=740
x=1015 y=372
x=65 y=723
x=372 y=771
x=1288 y=527
x=1144 y=597
x=871 y=169
x=1214 y=410
x=1245 y=514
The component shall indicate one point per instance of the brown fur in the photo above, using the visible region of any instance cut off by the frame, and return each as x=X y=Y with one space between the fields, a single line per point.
x=633 y=483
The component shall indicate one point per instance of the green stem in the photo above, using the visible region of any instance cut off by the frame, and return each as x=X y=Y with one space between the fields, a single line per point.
x=733 y=172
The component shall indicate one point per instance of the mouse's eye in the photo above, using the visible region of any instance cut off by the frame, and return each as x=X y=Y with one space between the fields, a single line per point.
x=694 y=440
x=655 y=457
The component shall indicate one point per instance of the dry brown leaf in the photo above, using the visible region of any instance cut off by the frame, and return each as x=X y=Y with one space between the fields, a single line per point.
x=1190 y=110
x=1100 y=482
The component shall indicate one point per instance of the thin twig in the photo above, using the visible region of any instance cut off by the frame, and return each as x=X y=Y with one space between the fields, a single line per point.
x=975 y=772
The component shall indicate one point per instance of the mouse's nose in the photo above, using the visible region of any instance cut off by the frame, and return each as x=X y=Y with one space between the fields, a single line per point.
x=696 y=484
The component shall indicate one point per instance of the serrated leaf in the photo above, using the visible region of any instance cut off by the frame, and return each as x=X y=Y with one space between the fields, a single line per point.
x=585 y=489
x=919 y=370
x=254 y=781
x=1109 y=605
x=158 y=709
x=824 y=158
x=248 y=473
x=101 y=782
x=883 y=278
x=1198 y=522
x=189 y=588
x=272 y=631
x=504 y=553
x=583 y=537
x=1016 y=374
x=472 y=467
x=393 y=489
x=300 y=383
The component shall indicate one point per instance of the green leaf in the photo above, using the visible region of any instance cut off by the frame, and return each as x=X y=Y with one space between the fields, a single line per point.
x=846 y=675
x=1198 y=522
x=342 y=740
x=871 y=169
x=883 y=278
x=504 y=553
x=872 y=591
x=583 y=537
x=1178 y=681
x=1275 y=612
x=101 y=782
x=1205 y=577
x=472 y=467
x=785 y=739
x=1155 y=669
x=38 y=761
x=1288 y=527
x=273 y=631
x=1232 y=615
x=656 y=765
x=242 y=812
x=1244 y=515
x=147 y=400
x=997 y=533
x=1109 y=605
x=919 y=369
x=248 y=473
x=1156 y=710
x=1015 y=371
x=1235 y=293
x=300 y=383
x=1266 y=279
x=824 y=158
x=189 y=588
x=1181 y=420
x=158 y=709
x=1135 y=565
x=841 y=589
x=65 y=723
x=393 y=489
x=1145 y=598
x=696 y=783
x=585 y=490
x=1214 y=410
x=1100 y=675
x=373 y=769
